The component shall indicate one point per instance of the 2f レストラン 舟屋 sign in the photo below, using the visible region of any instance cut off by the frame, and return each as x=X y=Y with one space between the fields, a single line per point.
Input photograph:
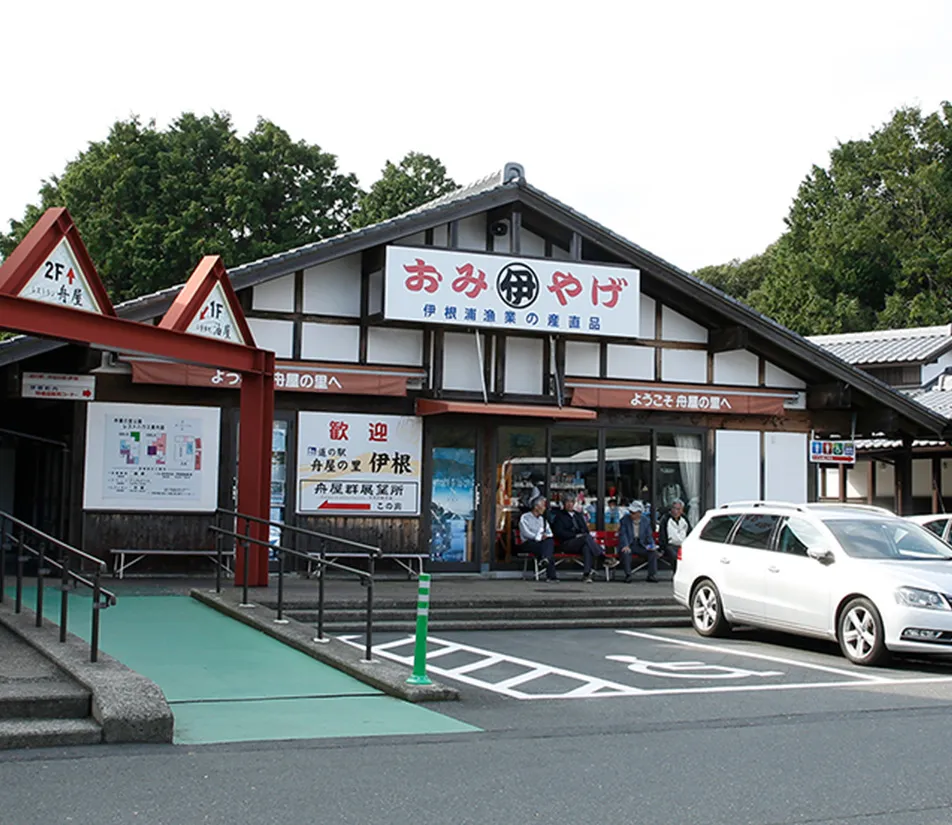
x=355 y=464
x=506 y=292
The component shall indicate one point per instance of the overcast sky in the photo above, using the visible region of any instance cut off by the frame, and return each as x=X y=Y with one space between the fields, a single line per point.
x=684 y=126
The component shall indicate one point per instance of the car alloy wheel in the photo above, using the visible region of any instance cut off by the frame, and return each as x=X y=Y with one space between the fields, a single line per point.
x=861 y=633
x=706 y=613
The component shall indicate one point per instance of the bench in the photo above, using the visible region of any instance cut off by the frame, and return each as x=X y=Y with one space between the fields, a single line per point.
x=405 y=560
x=120 y=565
x=606 y=539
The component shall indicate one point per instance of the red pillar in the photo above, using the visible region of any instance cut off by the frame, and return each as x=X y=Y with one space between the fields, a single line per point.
x=254 y=464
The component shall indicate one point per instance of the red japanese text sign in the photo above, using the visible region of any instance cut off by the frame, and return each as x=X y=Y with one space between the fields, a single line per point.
x=682 y=399
x=477 y=289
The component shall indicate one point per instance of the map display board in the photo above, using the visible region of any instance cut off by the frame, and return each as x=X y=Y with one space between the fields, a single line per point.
x=151 y=457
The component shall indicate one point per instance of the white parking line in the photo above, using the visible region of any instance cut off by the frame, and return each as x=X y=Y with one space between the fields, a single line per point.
x=749 y=654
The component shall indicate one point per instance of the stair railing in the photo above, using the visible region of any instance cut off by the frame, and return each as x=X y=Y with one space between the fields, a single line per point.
x=245 y=541
x=29 y=542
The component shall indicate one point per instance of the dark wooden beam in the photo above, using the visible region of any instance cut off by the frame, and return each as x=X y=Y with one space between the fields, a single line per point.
x=727 y=339
x=878 y=421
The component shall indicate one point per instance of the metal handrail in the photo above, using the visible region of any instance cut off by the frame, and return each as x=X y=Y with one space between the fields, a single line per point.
x=366 y=578
x=102 y=598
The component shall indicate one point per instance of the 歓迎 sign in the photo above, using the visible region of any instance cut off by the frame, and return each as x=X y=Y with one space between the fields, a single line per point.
x=832 y=452
x=61 y=280
x=355 y=464
x=58 y=386
x=476 y=289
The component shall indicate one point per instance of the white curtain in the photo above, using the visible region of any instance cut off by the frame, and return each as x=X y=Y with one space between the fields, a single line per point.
x=689 y=457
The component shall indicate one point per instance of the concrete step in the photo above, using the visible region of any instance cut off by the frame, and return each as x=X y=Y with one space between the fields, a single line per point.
x=547 y=601
x=522 y=612
x=437 y=626
x=48 y=733
x=43 y=700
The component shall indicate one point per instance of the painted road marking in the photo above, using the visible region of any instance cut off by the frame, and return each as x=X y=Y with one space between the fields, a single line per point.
x=751 y=655
x=690 y=670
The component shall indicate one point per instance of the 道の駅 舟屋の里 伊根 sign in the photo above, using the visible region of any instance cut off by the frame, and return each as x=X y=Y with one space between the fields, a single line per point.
x=476 y=289
x=356 y=464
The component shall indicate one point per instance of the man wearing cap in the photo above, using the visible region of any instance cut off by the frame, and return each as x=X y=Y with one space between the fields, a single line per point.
x=635 y=539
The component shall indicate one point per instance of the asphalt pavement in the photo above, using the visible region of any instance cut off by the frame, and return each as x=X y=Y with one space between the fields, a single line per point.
x=581 y=725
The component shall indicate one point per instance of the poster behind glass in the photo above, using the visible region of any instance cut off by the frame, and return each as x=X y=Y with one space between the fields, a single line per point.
x=279 y=478
x=452 y=504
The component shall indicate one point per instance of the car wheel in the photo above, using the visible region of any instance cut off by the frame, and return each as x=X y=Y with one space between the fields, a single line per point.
x=861 y=634
x=707 y=616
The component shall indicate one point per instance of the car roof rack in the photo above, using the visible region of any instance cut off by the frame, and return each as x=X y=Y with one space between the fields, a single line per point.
x=786 y=505
x=843 y=505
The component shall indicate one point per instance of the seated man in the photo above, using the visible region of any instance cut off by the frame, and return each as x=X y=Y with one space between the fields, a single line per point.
x=536 y=535
x=635 y=539
x=672 y=531
x=571 y=530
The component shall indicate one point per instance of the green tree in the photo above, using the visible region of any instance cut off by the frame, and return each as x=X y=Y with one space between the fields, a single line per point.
x=149 y=202
x=418 y=178
x=869 y=238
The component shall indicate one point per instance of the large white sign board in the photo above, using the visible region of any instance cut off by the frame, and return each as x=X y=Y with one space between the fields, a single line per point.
x=508 y=292
x=359 y=465
x=152 y=457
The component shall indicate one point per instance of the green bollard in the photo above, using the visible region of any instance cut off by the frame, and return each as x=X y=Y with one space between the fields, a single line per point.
x=419 y=676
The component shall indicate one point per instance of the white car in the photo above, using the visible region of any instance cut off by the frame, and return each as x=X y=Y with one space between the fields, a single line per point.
x=938 y=523
x=872 y=581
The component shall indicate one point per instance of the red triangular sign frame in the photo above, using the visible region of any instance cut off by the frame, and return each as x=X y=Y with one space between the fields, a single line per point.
x=51 y=265
x=208 y=306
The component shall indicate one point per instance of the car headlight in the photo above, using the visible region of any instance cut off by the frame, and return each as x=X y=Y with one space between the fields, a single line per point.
x=915 y=597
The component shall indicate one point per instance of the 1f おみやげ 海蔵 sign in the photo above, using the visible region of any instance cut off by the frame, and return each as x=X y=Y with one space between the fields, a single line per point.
x=477 y=289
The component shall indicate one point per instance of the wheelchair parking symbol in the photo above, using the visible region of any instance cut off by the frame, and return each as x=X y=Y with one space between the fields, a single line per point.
x=690 y=670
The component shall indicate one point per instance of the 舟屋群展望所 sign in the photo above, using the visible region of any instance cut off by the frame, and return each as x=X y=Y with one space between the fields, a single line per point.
x=356 y=464
x=510 y=292
x=832 y=451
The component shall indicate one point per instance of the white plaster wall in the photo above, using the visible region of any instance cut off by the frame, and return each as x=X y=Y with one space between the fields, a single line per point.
x=776 y=377
x=857 y=480
x=375 y=292
x=885 y=480
x=675 y=327
x=333 y=288
x=922 y=477
x=403 y=347
x=331 y=342
x=276 y=336
x=736 y=466
x=582 y=358
x=419 y=239
x=785 y=467
x=685 y=365
x=524 y=366
x=631 y=362
x=930 y=371
x=472 y=232
x=647 y=310
x=946 y=473
x=532 y=244
x=559 y=253
x=738 y=367
x=276 y=295
x=461 y=365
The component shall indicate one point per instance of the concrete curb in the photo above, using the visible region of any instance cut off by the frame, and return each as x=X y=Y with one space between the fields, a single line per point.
x=390 y=677
x=128 y=706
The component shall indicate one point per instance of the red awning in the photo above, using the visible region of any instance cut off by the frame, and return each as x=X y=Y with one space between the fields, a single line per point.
x=432 y=406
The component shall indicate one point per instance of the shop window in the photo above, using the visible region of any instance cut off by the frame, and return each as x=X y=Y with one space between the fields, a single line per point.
x=520 y=470
x=574 y=468
x=627 y=472
x=453 y=496
x=679 y=473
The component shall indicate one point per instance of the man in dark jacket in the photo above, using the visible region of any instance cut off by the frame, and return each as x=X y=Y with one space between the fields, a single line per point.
x=571 y=530
x=635 y=539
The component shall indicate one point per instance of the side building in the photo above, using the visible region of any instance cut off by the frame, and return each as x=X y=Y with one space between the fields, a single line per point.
x=434 y=369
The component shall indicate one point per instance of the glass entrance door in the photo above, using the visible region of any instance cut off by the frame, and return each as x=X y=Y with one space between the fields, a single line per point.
x=453 y=497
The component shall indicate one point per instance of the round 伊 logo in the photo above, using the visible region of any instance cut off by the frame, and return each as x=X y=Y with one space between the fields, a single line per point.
x=517 y=285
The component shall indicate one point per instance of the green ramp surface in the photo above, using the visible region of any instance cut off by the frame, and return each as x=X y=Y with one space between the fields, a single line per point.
x=227 y=682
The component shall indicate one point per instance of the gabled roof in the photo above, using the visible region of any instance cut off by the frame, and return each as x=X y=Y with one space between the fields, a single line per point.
x=509 y=187
x=920 y=345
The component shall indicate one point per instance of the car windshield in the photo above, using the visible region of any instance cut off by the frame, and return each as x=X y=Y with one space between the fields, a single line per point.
x=888 y=539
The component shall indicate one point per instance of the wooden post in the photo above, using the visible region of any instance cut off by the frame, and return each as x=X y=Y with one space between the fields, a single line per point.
x=871 y=482
x=937 y=503
x=842 y=495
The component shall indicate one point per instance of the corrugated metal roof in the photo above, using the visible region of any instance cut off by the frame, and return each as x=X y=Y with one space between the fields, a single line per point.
x=888 y=346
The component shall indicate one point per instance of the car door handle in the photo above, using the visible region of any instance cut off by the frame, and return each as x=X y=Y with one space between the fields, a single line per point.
x=725 y=560
x=773 y=569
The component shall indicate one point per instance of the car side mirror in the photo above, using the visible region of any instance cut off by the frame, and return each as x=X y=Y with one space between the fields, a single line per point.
x=820 y=554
